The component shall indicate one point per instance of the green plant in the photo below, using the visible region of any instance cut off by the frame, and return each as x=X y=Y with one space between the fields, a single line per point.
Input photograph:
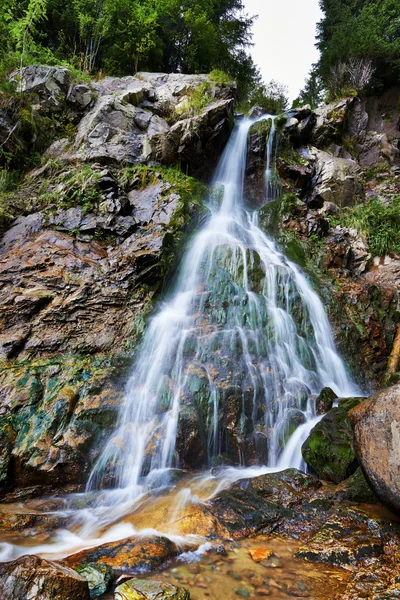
x=220 y=77
x=377 y=221
x=196 y=101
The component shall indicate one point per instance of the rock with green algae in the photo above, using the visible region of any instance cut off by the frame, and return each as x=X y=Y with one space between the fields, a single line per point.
x=98 y=575
x=351 y=537
x=148 y=589
x=325 y=400
x=329 y=448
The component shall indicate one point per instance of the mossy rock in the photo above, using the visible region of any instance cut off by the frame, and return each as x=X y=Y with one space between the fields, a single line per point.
x=147 y=589
x=329 y=449
x=98 y=575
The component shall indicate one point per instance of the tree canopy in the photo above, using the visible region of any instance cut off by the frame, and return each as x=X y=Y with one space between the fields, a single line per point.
x=363 y=30
x=120 y=37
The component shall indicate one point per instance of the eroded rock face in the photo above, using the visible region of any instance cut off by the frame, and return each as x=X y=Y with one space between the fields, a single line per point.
x=33 y=578
x=376 y=424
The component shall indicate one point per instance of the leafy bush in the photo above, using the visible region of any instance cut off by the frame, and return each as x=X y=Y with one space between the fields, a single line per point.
x=220 y=77
x=378 y=221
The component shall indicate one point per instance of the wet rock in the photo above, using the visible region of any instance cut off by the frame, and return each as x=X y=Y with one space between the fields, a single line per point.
x=31 y=577
x=261 y=504
x=376 y=424
x=354 y=489
x=147 y=589
x=349 y=538
x=98 y=575
x=134 y=555
x=329 y=448
x=325 y=400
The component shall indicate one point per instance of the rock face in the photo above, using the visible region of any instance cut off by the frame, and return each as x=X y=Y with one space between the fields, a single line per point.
x=33 y=578
x=376 y=425
x=329 y=448
x=98 y=575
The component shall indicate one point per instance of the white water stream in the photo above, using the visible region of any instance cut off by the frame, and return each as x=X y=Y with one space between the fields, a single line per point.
x=243 y=339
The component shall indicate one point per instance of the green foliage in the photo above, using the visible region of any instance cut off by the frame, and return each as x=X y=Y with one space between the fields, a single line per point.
x=271 y=97
x=220 y=77
x=378 y=221
x=313 y=91
x=120 y=37
x=197 y=100
x=363 y=30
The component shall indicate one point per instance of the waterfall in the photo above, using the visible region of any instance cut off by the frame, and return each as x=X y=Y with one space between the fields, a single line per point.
x=233 y=359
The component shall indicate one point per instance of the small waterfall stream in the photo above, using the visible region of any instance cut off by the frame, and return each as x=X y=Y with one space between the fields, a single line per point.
x=237 y=355
x=242 y=327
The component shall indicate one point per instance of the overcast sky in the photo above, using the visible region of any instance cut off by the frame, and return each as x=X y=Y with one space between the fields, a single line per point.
x=284 y=37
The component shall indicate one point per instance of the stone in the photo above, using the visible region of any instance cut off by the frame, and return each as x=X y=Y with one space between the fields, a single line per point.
x=98 y=575
x=325 y=400
x=329 y=448
x=50 y=85
x=148 y=589
x=347 y=250
x=33 y=578
x=80 y=96
x=330 y=120
x=262 y=503
x=376 y=424
x=350 y=538
x=336 y=180
x=133 y=555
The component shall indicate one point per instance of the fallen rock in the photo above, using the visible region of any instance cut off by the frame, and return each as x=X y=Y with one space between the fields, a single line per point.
x=134 y=555
x=147 y=589
x=33 y=578
x=376 y=424
x=329 y=448
x=98 y=575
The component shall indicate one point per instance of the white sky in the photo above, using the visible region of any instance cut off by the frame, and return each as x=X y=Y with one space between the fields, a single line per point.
x=284 y=37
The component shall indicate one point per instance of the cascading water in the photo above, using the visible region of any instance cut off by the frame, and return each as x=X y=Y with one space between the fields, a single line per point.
x=231 y=365
x=241 y=348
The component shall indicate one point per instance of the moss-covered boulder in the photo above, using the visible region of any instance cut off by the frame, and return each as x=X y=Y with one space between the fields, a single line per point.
x=329 y=449
x=145 y=589
x=325 y=400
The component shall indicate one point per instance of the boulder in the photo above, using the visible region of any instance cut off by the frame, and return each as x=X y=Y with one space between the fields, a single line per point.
x=148 y=589
x=329 y=448
x=98 y=575
x=33 y=578
x=335 y=180
x=48 y=85
x=347 y=250
x=325 y=400
x=376 y=424
x=349 y=538
x=134 y=555
x=330 y=121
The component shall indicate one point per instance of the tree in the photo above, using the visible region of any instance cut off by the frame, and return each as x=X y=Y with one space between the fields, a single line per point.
x=362 y=30
x=24 y=29
x=272 y=97
x=313 y=91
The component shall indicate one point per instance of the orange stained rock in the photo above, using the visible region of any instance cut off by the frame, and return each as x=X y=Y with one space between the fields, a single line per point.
x=259 y=554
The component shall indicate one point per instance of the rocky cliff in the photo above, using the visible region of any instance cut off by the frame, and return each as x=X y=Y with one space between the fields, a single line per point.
x=89 y=238
x=339 y=217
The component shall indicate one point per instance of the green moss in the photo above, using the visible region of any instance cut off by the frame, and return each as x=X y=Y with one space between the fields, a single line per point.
x=220 y=78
